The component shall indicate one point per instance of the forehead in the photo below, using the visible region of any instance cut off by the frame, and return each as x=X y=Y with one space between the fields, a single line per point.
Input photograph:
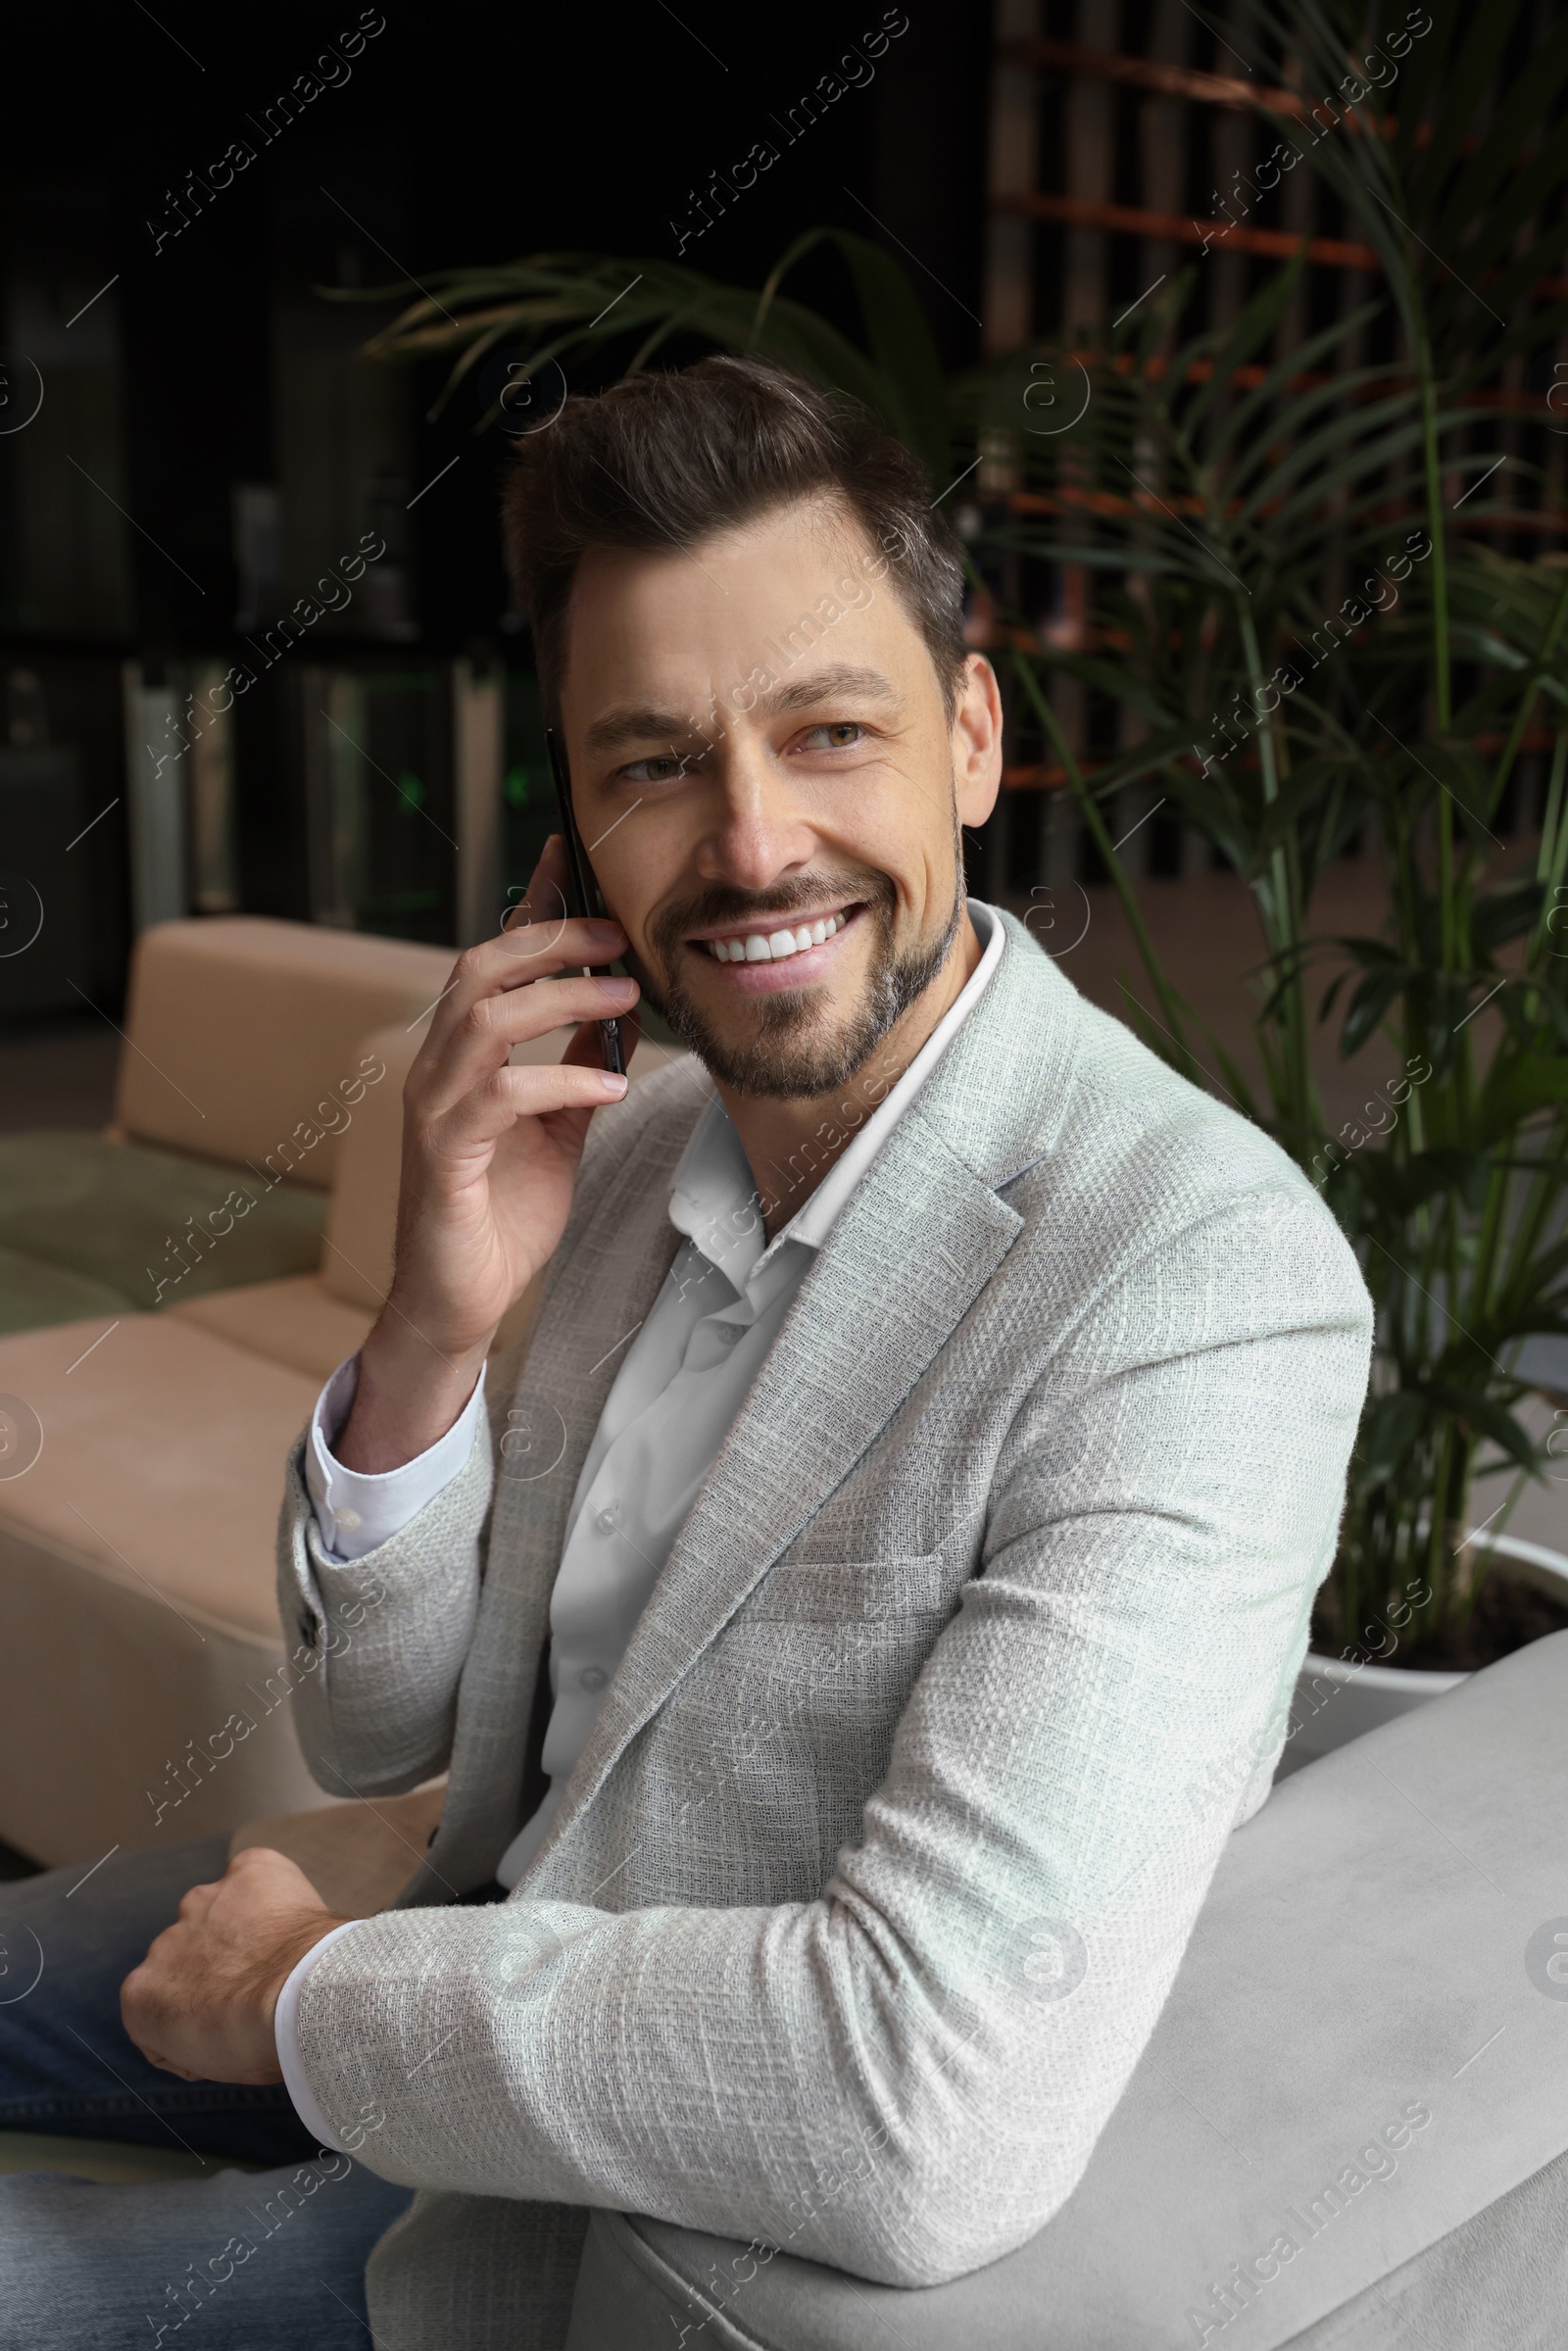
x=799 y=584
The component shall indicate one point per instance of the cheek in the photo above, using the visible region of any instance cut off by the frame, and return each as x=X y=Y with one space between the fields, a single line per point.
x=631 y=866
x=651 y=871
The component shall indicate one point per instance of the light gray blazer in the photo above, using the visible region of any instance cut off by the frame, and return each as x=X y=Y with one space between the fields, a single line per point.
x=865 y=1893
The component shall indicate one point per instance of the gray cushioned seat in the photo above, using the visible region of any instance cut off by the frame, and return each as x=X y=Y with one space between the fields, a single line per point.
x=34 y=1294
x=1389 y=1933
x=90 y=1225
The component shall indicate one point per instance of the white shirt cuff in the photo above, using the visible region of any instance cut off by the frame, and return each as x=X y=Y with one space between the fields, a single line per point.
x=286 y=2035
x=357 y=1510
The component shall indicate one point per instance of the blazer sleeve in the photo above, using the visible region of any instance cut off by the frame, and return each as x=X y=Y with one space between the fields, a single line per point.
x=905 y=2076
x=382 y=1639
x=379 y=1643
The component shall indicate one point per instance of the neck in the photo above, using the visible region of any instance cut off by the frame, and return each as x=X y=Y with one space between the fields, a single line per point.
x=792 y=1144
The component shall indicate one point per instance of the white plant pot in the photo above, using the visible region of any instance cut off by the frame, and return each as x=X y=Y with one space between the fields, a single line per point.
x=1336 y=1700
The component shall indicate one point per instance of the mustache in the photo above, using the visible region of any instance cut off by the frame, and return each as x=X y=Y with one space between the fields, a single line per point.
x=719 y=904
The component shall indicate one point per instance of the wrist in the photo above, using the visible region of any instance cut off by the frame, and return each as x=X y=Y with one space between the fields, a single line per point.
x=409 y=1394
x=285 y=1956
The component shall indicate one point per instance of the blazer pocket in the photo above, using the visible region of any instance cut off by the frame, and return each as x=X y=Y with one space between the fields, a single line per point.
x=925 y=1583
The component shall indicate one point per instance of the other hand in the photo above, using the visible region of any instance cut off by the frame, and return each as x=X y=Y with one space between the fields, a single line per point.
x=202 y=2003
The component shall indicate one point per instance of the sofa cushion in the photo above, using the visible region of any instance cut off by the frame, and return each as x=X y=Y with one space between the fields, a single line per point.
x=297 y=1322
x=34 y=1294
x=358 y=1855
x=123 y=1215
x=1362 y=2058
x=356 y=1255
x=162 y=1459
x=244 y=1034
x=140 y=1652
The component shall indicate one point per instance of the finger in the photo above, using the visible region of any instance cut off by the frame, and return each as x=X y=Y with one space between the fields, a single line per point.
x=262 y=1874
x=136 y=2005
x=527 y=949
x=541 y=920
x=508 y=1094
x=548 y=896
x=585 y=1049
x=534 y=942
x=165 y=2064
x=261 y=1861
x=197 y=1901
x=138 y=2013
x=494 y=1024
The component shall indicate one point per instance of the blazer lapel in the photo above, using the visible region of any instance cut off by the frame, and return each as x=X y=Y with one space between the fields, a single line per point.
x=918 y=1240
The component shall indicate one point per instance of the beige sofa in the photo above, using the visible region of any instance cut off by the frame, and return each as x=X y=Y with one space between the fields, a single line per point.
x=144 y=1690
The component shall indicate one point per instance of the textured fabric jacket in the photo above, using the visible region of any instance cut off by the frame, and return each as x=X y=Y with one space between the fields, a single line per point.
x=978 y=1641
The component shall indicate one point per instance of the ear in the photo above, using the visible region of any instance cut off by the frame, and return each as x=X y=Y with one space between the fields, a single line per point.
x=977 y=741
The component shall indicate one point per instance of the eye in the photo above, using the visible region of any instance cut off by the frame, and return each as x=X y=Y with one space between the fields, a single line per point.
x=659 y=768
x=834 y=734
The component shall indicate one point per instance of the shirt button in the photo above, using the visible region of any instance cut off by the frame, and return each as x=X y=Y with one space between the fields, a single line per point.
x=593 y=1676
x=348 y=1520
x=728 y=1332
x=607 y=1519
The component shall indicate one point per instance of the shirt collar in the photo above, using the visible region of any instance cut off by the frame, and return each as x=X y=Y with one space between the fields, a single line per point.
x=813 y=1219
x=712 y=1198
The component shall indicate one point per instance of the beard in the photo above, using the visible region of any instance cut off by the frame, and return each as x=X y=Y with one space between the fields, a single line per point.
x=796 y=1047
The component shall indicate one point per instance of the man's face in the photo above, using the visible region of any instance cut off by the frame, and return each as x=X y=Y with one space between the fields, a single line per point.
x=771 y=789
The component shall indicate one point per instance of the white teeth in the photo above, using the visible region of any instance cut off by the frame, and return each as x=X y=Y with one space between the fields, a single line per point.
x=773 y=947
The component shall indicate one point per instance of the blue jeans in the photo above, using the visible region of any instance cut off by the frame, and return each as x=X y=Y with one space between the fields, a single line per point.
x=251 y=2259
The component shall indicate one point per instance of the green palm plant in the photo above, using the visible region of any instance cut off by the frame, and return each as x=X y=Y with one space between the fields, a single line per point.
x=1214 y=554
x=1282 y=713
x=1233 y=501
x=579 y=307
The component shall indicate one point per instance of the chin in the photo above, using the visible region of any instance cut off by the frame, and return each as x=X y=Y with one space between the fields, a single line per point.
x=790 y=1047
x=793 y=1054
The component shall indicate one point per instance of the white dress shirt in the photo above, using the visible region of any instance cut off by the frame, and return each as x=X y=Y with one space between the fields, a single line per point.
x=685 y=1376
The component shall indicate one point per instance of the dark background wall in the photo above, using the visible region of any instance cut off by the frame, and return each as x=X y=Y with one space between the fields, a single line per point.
x=461 y=135
x=188 y=353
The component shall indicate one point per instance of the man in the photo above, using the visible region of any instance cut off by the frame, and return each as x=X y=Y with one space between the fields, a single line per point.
x=931 y=1436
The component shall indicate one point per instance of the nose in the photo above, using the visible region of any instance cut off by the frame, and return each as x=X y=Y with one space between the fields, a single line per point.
x=755 y=829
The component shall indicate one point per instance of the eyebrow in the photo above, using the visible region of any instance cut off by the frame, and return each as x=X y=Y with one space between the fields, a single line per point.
x=643 y=722
x=638 y=723
x=821 y=685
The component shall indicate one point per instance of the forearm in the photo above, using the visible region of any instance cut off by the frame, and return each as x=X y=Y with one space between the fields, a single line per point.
x=697 y=2065
x=903 y=2078
x=409 y=1393
x=795 y=2075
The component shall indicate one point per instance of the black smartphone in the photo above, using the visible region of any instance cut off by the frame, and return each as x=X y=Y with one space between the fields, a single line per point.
x=584 y=902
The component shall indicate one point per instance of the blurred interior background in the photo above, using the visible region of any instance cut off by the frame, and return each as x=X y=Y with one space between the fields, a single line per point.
x=1190 y=312
x=211 y=442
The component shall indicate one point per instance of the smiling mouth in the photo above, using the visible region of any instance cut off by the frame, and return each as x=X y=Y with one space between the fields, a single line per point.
x=778 y=944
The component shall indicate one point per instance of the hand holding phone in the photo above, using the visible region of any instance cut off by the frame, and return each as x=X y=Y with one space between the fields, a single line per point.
x=491 y=1151
x=586 y=900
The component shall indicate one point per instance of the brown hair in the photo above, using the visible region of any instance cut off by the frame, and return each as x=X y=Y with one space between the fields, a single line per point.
x=664 y=459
